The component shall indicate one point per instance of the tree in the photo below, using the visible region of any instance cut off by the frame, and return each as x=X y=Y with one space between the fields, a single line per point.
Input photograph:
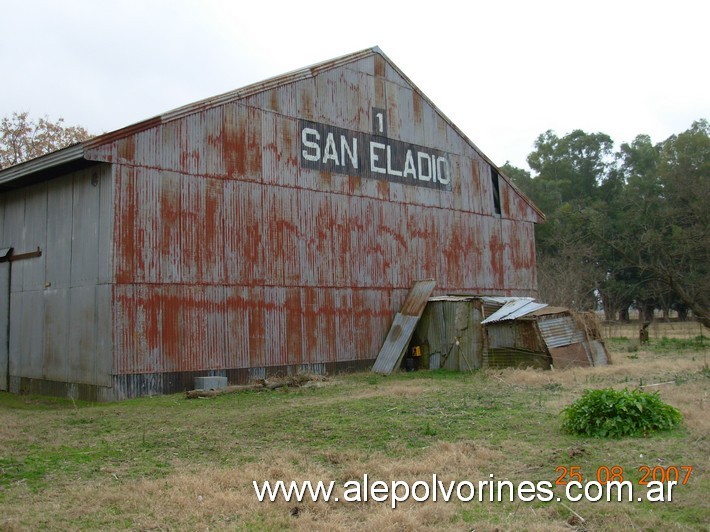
x=572 y=173
x=570 y=169
x=22 y=139
x=662 y=224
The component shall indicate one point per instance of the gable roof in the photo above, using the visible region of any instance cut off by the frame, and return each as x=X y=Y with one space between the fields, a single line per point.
x=75 y=156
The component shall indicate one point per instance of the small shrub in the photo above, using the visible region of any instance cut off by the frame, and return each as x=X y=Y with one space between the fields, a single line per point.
x=609 y=413
x=429 y=431
x=632 y=347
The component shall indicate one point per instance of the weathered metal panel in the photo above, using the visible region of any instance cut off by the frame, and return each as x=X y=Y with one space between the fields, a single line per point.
x=81 y=346
x=274 y=325
x=103 y=175
x=401 y=331
x=507 y=357
x=26 y=333
x=572 y=355
x=517 y=256
x=347 y=343
x=560 y=331
x=449 y=328
x=513 y=309
x=177 y=327
x=85 y=230
x=280 y=146
x=59 y=232
x=598 y=353
x=392 y=351
x=520 y=334
x=195 y=328
x=33 y=235
x=515 y=343
x=103 y=351
x=4 y=316
x=57 y=325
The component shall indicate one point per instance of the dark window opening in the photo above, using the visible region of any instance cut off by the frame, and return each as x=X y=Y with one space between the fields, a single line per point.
x=496 y=190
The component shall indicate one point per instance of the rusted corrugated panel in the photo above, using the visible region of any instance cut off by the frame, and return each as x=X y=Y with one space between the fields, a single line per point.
x=392 y=351
x=515 y=343
x=175 y=327
x=560 y=331
x=417 y=298
x=314 y=230
x=404 y=323
x=519 y=334
x=519 y=254
x=572 y=355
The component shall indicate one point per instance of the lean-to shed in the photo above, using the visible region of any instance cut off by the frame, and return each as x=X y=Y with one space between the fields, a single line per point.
x=272 y=229
x=464 y=333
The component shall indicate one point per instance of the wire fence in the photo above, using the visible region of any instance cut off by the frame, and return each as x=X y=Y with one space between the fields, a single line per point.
x=657 y=330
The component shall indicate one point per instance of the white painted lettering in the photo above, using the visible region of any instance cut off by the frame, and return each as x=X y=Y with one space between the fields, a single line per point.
x=421 y=156
x=374 y=157
x=340 y=150
x=345 y=148
x=331 y=150
x=315 y=154
x=444 y=171
x=390 y=170
x=409 y=168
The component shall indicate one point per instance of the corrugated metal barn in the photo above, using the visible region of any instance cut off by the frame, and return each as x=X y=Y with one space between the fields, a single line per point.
x=272 y=229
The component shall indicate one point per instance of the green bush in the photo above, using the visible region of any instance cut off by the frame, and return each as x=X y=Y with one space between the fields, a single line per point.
x=609 y=413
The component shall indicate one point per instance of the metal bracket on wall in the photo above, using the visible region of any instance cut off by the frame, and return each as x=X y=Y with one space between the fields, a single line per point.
x=8 y=256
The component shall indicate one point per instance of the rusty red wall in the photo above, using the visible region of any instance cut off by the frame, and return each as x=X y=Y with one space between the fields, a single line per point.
x=228 y=253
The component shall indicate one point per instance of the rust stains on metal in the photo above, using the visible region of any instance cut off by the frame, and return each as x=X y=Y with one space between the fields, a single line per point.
x=417 y=298
x=225 y=253
x=395 y=345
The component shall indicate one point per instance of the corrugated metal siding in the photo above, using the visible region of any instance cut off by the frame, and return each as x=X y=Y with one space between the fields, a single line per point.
x=444 y=321
x=57 y=302
x=206 y=245
x=572 y=355
x=395 y=345
x=4 y=317
x=566 y=342
x=177 y=328
x=515 y=343
x=514 y=308
x=560 y=331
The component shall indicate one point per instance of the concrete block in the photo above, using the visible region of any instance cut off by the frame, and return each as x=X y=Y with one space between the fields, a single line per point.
x=210 y=383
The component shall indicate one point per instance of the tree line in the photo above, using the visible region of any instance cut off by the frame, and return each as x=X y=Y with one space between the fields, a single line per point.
x=626 y=228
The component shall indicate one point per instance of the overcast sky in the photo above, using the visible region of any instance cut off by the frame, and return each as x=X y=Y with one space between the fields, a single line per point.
x=503 y=71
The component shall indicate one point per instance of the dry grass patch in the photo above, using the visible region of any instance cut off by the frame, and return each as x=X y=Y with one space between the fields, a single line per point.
x=168 y=463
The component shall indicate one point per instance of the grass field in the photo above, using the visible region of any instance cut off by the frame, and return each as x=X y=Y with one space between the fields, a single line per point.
x=170 y=463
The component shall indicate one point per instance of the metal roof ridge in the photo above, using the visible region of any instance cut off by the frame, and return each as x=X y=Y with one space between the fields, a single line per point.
x=233 y=95
x=284 y=79
x=43 y=162
x=514 y=309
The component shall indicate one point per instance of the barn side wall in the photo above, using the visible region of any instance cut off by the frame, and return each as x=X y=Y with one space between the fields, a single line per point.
x=231 y=256
x=60 y=336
